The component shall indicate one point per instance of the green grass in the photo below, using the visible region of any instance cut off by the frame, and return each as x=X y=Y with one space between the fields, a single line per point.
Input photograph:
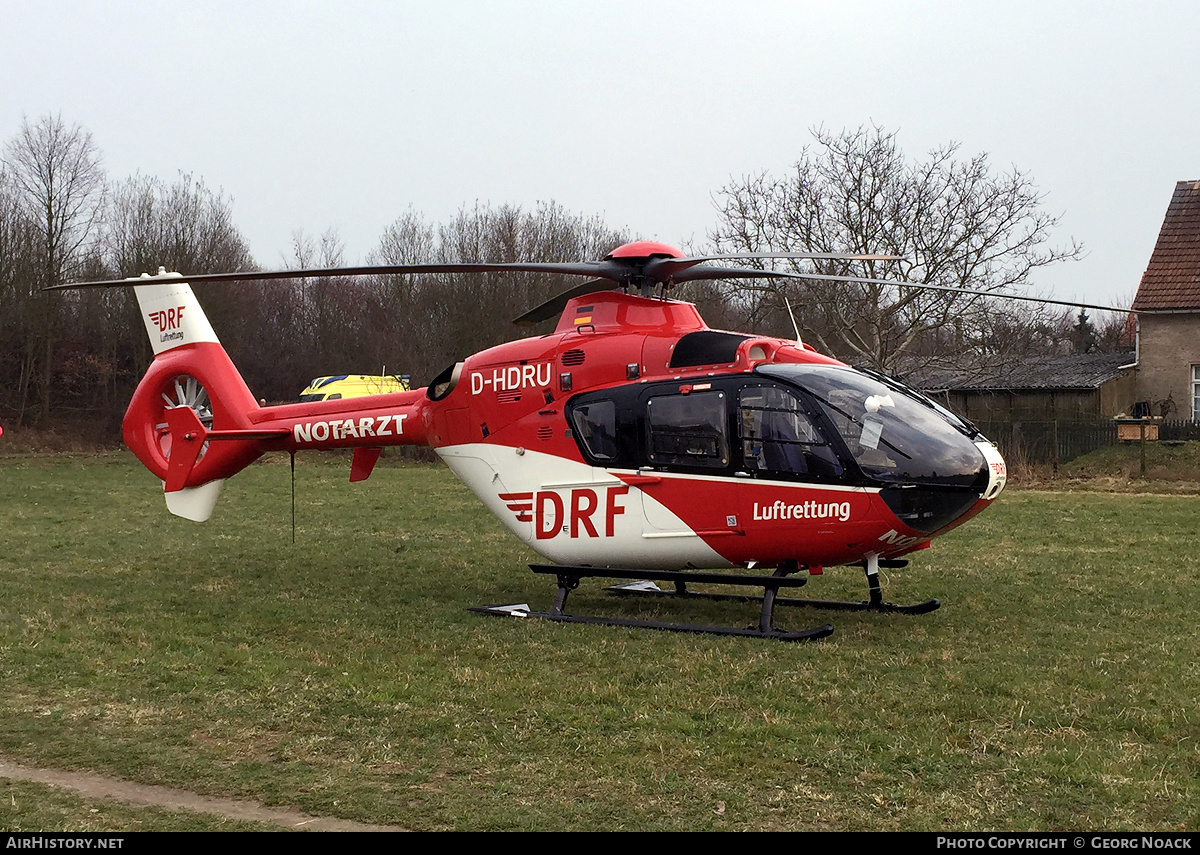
x=1056 y=688
x=1175 y=465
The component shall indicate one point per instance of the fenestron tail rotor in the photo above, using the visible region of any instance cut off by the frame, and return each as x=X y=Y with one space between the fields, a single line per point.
x=183 y=391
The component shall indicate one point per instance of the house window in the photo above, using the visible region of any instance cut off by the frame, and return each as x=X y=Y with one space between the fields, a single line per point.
x=1196 y=393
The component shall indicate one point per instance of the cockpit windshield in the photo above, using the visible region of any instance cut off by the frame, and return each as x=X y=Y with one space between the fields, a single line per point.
x=893 y=433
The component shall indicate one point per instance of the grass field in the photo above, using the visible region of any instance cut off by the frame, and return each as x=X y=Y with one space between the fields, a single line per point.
x=1055 y=689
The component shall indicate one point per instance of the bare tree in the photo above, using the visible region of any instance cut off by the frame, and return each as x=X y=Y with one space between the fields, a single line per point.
x=438 y=318
x=18 y=267
x=181 y=226
x=328 y=316
x=955 y=222
x=316 y=327
x=59 y=185
x=59 y=178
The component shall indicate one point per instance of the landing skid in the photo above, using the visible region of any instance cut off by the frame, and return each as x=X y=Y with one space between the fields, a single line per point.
x=874 y=604
x=568 y=580
x=569 y=576
x=649 y=589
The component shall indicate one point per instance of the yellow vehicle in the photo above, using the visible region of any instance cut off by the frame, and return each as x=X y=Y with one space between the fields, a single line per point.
x=354 y=386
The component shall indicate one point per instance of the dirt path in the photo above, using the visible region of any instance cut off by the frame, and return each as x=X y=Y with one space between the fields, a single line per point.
x=100 y=787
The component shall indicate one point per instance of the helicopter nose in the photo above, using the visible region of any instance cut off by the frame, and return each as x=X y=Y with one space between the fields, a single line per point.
x=996 y=470
x=934 y=507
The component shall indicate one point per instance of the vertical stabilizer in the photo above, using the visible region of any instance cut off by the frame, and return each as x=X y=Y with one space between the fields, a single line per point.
x=171 y=313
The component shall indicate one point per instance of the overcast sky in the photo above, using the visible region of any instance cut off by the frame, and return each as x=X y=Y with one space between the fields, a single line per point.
x=344 y=115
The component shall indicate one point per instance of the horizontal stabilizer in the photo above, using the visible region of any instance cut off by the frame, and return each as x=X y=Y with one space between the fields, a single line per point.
x=187 y=443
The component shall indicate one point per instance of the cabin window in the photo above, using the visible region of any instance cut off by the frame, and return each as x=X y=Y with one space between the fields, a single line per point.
x=688 y=430
x=596 y=428
x=778 y=437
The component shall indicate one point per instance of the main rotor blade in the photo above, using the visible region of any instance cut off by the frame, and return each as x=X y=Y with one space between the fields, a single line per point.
x=952 y=289
x=621 y=270
x=698 y=273
x=612 y=272
x=685 y=269
x=558 y=302
x=832 y=256
x=586 y=268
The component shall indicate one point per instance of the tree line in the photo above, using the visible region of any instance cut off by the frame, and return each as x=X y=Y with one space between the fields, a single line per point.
x=75 y=356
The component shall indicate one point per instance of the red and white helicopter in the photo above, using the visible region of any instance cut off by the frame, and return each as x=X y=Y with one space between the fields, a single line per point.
x=633 y=442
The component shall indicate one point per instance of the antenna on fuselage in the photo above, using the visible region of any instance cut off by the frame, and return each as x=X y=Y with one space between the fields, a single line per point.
x=795 y=327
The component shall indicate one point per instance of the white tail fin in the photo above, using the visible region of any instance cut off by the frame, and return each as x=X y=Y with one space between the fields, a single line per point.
x=171 y=313
x=195 y=503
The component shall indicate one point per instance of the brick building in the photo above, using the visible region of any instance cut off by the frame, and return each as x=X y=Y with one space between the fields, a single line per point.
x=1168 y=306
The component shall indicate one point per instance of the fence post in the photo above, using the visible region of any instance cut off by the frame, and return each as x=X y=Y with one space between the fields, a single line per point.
x=1143 y=448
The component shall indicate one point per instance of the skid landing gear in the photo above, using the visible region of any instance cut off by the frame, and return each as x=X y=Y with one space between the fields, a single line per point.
x=568 y=580
x=874 y=604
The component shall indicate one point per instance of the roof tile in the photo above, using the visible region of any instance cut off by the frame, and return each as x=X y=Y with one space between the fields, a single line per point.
x=1073 y=371
x=1172 y=278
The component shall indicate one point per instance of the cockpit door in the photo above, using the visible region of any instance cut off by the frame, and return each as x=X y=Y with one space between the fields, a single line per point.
x=779 y=438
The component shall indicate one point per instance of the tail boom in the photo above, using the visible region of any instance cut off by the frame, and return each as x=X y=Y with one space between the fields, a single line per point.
x=194 y=422
x=173 y=441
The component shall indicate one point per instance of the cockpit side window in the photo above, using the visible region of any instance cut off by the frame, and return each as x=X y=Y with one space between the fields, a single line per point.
x=596 y=428
x=688 y=430
x=778 y=437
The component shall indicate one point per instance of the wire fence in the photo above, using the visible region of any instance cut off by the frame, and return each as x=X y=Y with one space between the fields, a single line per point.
x=1059 y=440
